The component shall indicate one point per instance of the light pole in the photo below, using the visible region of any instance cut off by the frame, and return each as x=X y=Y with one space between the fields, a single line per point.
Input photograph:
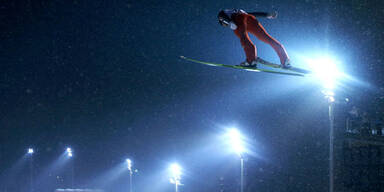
x=241 y=174
x=329 y=95
x=326 y=71
x=175 y=176
x=129 y=166
x=70 y=155
x=237 y=145
x=30 y=153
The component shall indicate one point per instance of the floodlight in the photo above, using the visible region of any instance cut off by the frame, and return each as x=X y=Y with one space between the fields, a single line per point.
x=235 y=140
x=325 y=69
x=30 y=151
x=330 y=95
x=237 y=145
x=129 y=164
x=175 y=179
x=175 y=170
x=69 y=152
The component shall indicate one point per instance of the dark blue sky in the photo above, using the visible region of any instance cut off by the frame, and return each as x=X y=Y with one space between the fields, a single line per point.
x=104 y=77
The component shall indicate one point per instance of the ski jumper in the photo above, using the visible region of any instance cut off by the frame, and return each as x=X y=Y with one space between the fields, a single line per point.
x=247 y=22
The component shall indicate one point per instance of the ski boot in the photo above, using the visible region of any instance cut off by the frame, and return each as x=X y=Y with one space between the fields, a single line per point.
x=287 y=64
x=253 y=64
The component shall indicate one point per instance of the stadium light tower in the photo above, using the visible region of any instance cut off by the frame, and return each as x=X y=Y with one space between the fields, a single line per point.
x=129 y=166
x=325 y=71
x=175 y=170
x=328 y=74
x=330 y=96
x=237 y=145
x=31 y=183
x=69 y=153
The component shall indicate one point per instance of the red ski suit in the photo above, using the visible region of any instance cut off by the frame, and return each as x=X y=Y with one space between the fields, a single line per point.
x=248 y=23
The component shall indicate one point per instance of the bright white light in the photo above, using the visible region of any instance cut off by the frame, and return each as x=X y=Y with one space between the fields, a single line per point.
x=30 y=151
x=330 y=95
x=175 y=171
x=235 y=140
x=69 y=152
x=325 y=69
x=129 y=164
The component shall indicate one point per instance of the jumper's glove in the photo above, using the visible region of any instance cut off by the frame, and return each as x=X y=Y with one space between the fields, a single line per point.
x=272 y=15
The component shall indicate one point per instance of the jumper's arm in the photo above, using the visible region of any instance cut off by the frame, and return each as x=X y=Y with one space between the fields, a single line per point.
x=272 y=15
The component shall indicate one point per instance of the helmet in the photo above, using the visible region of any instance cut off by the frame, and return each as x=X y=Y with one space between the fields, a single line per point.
x=223 y=18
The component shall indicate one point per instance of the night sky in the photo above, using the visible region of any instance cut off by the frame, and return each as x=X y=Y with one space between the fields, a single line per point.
x=105 y=78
